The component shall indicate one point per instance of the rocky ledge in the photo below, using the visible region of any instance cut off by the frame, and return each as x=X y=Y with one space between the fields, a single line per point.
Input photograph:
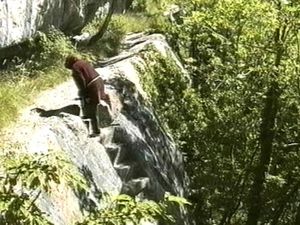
x=133 y=155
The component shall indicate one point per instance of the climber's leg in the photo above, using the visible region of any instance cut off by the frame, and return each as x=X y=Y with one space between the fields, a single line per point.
x=90 y=112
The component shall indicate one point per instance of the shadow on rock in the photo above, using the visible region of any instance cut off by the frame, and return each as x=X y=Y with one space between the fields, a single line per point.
x=86 y=202
x=70 y=109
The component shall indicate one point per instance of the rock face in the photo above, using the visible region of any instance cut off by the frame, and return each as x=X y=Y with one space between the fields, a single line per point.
x=68 y=133
x=142 y=152
x=21 y=19
x=133 y=155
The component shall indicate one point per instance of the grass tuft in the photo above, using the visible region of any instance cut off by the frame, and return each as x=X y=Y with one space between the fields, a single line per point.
x=20 y=91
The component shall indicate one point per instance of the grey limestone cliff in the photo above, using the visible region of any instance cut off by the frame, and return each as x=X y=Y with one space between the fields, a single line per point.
x=20 y=19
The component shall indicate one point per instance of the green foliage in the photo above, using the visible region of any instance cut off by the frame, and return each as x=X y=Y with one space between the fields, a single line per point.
x=52 y=47
x=149 y=7
x=138 y=5
x=110 y=43
x=123 y=209
x=230 y=50
x=132 y=23
x=24 y=177
x=153 y=16
x=44 y=51
x=18 y=89
x=25 y=78
x=170 y=95
x=120 y=24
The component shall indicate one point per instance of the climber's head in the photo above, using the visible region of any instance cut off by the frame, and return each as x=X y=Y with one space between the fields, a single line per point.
x=70 y=60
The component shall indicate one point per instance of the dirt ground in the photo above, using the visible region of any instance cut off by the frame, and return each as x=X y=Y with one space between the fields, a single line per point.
x=14 y=137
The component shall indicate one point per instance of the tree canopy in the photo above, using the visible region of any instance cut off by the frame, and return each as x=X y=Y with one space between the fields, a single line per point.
x=238 y=121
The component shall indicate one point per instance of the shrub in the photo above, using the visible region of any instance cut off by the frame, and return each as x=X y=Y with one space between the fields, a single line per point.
x=23 y=178
x=28 y=76
x=123 y=209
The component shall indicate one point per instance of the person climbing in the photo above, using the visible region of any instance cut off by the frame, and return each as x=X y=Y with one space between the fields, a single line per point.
x=90 y=89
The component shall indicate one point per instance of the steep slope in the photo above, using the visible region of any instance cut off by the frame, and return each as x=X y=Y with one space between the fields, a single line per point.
x=133 y=155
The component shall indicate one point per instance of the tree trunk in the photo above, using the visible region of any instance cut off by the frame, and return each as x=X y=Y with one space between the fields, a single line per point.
x=266 y=145
x=105 y=24
x=266 y=138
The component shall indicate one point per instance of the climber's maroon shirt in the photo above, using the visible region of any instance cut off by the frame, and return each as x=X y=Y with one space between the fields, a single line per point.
x=83 y=74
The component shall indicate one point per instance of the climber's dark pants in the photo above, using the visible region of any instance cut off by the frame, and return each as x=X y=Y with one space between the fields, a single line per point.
x=90 y=111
